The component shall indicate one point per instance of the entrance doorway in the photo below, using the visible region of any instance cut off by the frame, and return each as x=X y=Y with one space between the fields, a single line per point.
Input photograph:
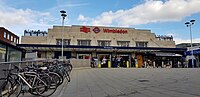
x=104 y=59
x=123 y=59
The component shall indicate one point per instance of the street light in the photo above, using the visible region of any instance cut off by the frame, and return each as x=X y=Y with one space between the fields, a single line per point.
x=189 y=24
x=63 y=15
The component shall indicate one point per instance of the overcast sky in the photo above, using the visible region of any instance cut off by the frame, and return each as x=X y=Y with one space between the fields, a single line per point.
x=162 y=17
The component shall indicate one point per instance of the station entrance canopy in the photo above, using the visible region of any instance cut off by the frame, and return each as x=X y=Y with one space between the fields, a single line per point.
x=195 y=52
x=44 y=47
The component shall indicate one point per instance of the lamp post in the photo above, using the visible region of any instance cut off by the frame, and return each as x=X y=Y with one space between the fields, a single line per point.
x=189 y=24
x=63 y=15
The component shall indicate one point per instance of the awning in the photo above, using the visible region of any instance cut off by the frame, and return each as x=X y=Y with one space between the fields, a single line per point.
x=166 y=54
x=45 y=47
x=195 y=52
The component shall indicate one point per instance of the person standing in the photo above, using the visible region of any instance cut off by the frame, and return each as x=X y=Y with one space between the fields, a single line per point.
x=103 y=62
x=115 y=62
x=132 y=62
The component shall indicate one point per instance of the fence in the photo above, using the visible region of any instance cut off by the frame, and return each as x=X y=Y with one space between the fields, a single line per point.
x=9 y=65
x=76 y=63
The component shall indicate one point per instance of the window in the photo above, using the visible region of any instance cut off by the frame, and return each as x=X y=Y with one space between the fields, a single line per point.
x=8 y=37
x=5 y=35
x=65 y=41
x=84 y=56
x=15 y=40
x=103 y=43
x=123 y=43
x=39 y=55
x=84 y=42
x=58 y=41
x=141 y=44
x=11 y=38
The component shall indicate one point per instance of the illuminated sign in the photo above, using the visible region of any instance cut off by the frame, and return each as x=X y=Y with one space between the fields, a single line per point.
x=121 y=31
x=84 y=29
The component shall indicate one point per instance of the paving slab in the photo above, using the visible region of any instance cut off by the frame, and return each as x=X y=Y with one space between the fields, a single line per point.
x=131 y=82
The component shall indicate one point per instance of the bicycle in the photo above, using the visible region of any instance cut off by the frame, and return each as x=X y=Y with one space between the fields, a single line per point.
x=28 y=82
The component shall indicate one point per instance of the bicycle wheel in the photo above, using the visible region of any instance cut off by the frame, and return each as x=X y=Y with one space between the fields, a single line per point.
x=5 y=87
x=45 y=86
x=61 y=76
x=56 y=79
x=32 y=91
x=16 y=89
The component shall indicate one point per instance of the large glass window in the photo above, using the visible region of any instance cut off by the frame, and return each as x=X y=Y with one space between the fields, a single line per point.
x=141 y=44
x=123 y=43
x=84 y=42
x=65 y=41
x=2 y=52
x=14 y=54
x=103 y=43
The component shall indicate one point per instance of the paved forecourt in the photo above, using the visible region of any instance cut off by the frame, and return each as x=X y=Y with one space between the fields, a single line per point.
x=132 y=82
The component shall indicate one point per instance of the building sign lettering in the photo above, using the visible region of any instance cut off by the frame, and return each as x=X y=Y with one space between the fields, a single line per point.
x=105 y=30
x=121 y=31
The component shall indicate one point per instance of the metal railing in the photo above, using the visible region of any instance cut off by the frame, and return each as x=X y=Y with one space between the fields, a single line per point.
x=21 y=64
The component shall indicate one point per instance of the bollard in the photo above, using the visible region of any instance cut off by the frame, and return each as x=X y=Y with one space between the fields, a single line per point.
x=162 y=64
x=109 y=65
x=136 y=65
x=99 y=65
x=154 y=64
x=127 y=64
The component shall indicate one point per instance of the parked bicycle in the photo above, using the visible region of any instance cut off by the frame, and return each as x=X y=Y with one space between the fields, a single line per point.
x=34 y=79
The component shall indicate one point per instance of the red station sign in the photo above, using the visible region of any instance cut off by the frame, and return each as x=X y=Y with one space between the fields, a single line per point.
x=121 y=31
x=105 y=30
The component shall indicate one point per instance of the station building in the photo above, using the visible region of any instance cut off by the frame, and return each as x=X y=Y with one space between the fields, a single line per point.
x=86 y=42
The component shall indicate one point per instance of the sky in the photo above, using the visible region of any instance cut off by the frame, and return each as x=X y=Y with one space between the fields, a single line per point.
x=162 y=17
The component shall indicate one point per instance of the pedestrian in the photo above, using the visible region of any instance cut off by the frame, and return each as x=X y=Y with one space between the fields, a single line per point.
x=103 y=62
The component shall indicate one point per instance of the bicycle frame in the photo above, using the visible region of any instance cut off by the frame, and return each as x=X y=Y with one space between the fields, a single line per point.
x=31 y=74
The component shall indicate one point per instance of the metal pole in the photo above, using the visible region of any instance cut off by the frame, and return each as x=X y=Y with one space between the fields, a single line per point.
x=191 y=45
x=189 y=24
x=62 y=35
x=63 y=18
